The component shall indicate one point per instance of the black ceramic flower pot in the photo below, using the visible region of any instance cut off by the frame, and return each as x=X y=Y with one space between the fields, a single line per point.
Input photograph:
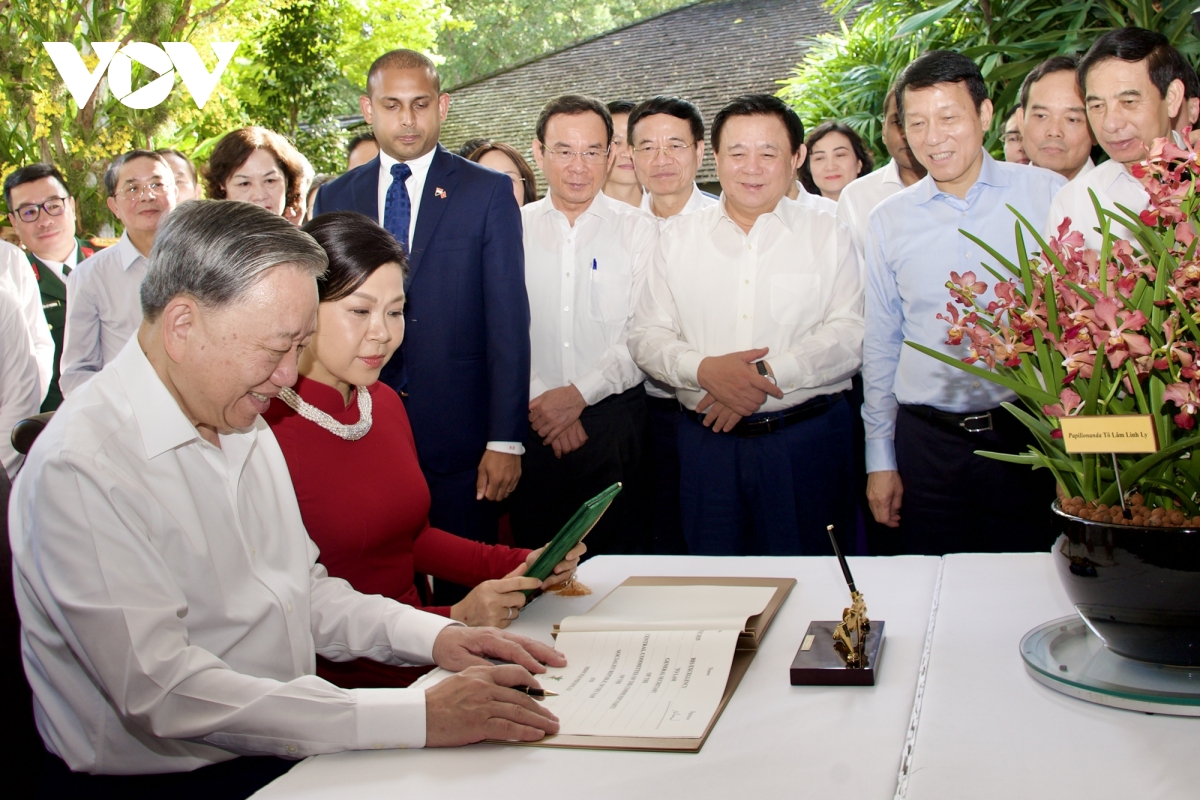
x=1137 y=587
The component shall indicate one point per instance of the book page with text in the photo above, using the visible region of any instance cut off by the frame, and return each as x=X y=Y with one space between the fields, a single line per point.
x=662 y=684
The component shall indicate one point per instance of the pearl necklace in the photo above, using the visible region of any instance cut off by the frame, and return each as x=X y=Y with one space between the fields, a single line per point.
x=310 y=412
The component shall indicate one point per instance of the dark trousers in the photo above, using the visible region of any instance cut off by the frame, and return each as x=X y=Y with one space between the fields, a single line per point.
x=229 y=780
x=662 y=456
x=552 y=489
x=453 y=508
x=956 y=501
x=769 y=495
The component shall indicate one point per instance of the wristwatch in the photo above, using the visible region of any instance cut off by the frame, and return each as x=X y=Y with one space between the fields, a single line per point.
x=762 y=370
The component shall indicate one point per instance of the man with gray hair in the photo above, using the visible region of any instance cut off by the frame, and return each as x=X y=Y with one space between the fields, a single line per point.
x=103 y=290
x=171 y=603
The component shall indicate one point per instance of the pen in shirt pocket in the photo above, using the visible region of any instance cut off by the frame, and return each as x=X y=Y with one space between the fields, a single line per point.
x=593 y=264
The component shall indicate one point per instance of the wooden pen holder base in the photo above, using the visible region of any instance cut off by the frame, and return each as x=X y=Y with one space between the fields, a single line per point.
x=818 y=662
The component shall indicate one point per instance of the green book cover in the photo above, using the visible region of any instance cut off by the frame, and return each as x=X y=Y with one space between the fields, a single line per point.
x=582 y=521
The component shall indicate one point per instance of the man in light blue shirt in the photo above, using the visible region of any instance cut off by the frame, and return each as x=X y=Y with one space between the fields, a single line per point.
x=925 y=420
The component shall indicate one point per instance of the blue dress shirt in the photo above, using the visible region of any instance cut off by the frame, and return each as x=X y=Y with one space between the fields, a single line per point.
x=913 y=243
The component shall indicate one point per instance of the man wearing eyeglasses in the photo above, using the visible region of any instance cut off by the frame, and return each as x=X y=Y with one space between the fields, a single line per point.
x=43 y=214
x=105 y=308
x=667 y=136
x=585 y=261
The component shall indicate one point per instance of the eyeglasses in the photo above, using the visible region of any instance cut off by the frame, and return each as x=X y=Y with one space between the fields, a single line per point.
x=1012 y=137
x=135 y=190
x=675 y=151
x=29 y=212
x=592 y=157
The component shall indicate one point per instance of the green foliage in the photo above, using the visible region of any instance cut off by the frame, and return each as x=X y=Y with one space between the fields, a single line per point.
x=292 y=80
x=372 y=27
x=42 y=121
x=488 y=35
x=845 y=75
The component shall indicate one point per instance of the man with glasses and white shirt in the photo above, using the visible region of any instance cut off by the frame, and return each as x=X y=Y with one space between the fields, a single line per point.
x=753 y=312
x=585 y=261
x=667 y=134
x=105 y=311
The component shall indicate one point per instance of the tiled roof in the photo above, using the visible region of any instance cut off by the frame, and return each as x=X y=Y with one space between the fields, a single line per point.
x=708 y=52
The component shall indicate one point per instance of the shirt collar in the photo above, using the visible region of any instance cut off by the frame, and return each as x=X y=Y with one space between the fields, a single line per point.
x=159 y=418
x=693 y=201
x=602 y=206
x=419 y=165
x=990 y=174
x=891 y=174
x=780 y=212
x=129 y=254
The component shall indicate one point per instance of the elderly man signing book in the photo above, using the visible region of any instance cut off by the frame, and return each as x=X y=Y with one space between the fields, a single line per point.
x=172 y=604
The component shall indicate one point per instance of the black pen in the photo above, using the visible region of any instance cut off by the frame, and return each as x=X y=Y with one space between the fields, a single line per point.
x=837 y=551
x=532 y=692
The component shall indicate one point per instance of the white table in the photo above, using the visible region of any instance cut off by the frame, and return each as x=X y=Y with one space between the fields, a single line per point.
x=989 y=730
x=773 y=740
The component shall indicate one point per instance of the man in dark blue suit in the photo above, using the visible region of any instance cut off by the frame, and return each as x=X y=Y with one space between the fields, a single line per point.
x=463 y=369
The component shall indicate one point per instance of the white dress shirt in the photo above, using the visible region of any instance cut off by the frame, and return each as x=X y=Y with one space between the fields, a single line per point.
x=20 y=384
x=697 y=201
x=1113 y=186
x=859 y=198
x=583 y=281
x=171 y=601
x=792 y=284
x=814 y=201
x=57 y=266
x=104 y=311
x=415 y=183
x=16 y=277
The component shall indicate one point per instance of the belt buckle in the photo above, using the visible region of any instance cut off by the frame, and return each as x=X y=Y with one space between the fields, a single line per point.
x=978 y=423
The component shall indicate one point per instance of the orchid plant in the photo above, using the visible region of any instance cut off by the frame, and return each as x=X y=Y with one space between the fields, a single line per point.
x=1073 y=331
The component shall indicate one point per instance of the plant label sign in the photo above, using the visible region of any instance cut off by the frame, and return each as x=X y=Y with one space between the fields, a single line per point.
x=1115 y=433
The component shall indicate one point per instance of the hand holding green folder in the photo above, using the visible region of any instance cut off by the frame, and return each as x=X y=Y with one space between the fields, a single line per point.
x=571 y=534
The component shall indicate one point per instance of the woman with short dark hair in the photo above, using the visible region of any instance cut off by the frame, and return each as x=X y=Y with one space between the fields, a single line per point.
x=836 y=156
x=353 y=460
x=258 y=166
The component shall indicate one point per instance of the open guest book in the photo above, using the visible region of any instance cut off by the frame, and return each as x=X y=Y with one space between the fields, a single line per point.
x=653 y=664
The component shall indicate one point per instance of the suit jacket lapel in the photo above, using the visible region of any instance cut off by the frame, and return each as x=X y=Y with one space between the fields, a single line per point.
x=443 y=176
x=365 y=189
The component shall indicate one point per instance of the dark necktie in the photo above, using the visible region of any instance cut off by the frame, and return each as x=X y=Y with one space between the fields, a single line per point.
x=397 y=208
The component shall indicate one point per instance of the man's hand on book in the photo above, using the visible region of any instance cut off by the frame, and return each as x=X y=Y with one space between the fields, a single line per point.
x=478 y=704
x=457 y=648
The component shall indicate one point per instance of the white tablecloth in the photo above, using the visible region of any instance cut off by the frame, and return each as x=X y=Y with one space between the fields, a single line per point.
x=773 y=740
x=989 y=730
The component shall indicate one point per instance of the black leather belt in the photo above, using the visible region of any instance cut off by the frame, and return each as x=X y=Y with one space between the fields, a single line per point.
x=778 y=420
x=971 y=422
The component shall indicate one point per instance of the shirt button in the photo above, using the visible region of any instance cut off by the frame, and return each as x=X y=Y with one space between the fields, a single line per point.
x=747 y=281
x=568 y=274
x=566 y=308
x=253 y=551
x=975 y=384
x=791 y=386
x=291 y=748
x=745 y=316
x=289 y=607
x=566 y=344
